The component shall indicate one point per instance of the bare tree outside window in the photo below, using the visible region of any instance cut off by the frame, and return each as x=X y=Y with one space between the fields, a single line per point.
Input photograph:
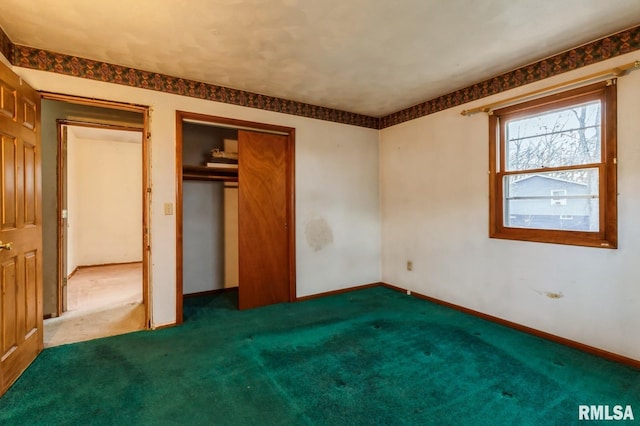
x=557 y=138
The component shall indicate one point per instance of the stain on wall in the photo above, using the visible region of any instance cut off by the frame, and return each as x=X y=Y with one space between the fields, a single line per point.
x=318 y=233
x=550 y=294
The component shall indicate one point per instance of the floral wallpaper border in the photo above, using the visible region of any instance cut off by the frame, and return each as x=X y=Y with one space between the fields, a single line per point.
x=588 y=54
x=605 y=48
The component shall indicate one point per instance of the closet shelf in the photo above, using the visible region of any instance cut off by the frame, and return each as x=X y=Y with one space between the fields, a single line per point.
x=210 y=173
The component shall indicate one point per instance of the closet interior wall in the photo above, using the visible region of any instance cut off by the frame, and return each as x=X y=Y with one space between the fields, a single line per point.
x=209 y=212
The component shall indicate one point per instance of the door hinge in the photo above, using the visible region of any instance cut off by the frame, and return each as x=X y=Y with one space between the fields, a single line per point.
x=149 y=190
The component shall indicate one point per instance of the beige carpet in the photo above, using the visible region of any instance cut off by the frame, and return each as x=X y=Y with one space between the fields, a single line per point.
x=102 y=301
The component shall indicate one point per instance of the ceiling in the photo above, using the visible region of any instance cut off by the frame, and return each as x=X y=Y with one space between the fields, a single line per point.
x=372 y=57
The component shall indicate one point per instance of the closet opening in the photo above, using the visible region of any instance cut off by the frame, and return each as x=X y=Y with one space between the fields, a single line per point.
x=234 y=211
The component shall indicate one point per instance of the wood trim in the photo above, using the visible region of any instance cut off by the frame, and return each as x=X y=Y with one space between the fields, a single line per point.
x=548 y=169
x=83 y=100
x=102 y=125
x=291 y=193
x=75 y=271
x=59 y=222
x=340 y=291
x=209 y=292
x=548 y=336
x=146 y=222
x=163 y=326
x=100 y=265
x=495 y=198
x=79 y=267
x=181 y=116
x=179 y=219
x=610 y=224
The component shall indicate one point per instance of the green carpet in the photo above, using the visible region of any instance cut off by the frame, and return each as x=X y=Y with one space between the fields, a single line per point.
x=370 y=357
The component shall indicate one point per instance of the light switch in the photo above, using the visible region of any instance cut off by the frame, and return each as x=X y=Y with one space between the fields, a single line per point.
x=168 y=208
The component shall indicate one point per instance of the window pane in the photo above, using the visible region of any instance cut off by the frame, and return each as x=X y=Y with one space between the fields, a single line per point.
x=562 y=137
x=565 y=200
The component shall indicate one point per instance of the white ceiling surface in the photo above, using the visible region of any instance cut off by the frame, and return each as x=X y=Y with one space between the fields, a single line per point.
x=372 y=57
x=103 y=134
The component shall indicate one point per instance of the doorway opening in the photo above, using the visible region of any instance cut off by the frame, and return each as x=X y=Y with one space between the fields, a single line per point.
x=101 y=230
x=235 y=225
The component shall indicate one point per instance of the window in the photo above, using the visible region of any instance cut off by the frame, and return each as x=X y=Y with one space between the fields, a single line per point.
x=553 y=168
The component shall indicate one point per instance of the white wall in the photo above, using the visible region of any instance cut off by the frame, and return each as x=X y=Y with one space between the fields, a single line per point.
x=209 y=236
x=337 y=190
x=231 y=248
x=202 y=236
x=434 y=204
x=104 y=201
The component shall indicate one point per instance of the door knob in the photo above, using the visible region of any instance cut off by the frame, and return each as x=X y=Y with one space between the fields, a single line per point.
x=6 y=246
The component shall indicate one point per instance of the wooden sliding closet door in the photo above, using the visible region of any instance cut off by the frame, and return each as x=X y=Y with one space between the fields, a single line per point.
x=262 y=219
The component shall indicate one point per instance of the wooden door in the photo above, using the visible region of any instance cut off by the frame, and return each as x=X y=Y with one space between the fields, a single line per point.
x=20 y=228
x=263 y=219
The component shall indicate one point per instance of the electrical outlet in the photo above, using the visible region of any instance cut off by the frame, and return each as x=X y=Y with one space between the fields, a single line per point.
x=168 y=208
x=409 y=265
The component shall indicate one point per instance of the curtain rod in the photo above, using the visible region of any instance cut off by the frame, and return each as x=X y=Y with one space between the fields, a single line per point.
x=592 y=78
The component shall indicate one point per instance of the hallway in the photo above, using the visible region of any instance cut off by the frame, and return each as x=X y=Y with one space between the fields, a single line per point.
x=102 y=301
